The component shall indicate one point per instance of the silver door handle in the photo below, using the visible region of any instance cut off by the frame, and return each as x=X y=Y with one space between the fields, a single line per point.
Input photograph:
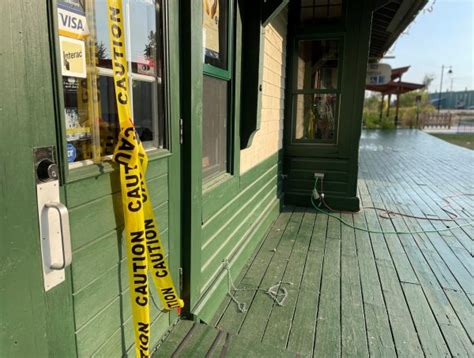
x=65 y=236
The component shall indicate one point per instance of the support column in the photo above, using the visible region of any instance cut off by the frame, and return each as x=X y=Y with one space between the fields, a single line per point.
x=396 y=111
x=388 y=104
x=381 y=107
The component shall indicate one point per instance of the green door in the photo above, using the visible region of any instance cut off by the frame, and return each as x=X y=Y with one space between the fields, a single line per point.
x=33 y=322
x=49 y=103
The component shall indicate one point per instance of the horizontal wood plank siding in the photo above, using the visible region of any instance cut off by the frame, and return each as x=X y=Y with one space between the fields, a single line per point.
x=100 y=285
x=235 y=227
x=301 y=175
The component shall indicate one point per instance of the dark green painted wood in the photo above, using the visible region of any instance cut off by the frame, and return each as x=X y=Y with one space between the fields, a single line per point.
x=200 y=342
x=100 y=282
x=252 y=62
x=191 y=112
x=225 y=240
x=191 y=339
x=230 y=208
x=217 y=293
x=354 y=32
x=213 y=266
x=167 y=348
x=215 y=199
x=34 y=323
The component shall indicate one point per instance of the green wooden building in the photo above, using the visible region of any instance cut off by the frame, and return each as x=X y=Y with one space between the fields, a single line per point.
x=238 y=104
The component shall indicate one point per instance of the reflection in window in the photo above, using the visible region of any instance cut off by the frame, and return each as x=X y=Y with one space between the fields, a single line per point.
x=320 y=11
x=215 y=32
x=89 y=97
x=316 y=117
x=214 y=127
x=317 y=64
x=317 y=91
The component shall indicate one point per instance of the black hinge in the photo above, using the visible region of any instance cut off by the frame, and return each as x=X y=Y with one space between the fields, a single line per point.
x=181 y=130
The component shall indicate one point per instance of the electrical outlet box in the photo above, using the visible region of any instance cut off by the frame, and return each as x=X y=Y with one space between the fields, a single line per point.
x=318 y=175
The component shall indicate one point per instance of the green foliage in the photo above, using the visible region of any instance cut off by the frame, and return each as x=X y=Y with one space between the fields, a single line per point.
x=372 y=103
x=407 y=111
x=370 y=120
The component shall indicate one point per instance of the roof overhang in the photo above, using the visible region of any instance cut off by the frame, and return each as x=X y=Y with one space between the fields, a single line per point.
x=390 y=19
x=393 y=87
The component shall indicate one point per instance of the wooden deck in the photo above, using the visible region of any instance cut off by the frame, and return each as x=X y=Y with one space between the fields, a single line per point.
x=355 y=293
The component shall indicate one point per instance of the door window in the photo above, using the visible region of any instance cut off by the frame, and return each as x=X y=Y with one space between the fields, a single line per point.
x=90 y=112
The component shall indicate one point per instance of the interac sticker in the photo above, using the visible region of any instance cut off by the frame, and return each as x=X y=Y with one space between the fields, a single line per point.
x=144 y=248
x=73 y=57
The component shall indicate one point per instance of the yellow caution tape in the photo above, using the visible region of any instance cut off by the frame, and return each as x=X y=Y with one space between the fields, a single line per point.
x=144 y=247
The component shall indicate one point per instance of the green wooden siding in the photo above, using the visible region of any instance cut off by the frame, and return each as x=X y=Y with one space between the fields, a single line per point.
x=100 y=292
x=232 y=228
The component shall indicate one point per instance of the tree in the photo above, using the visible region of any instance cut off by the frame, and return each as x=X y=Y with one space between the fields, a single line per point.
x=101 y=50
x=428 y=79
x=150 y=47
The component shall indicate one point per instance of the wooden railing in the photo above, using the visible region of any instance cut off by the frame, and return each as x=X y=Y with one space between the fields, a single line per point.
x=436 y=120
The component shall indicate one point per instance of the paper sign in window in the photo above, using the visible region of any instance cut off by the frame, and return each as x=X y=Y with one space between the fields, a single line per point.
x=211 y=28
x=73 y=57
x=72 y=21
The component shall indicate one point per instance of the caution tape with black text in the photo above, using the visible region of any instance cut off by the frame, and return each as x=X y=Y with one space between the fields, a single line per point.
x=144 y=248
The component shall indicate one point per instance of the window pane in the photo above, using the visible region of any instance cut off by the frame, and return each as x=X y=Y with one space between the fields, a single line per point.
x=214 y=127
x=320 y=11
x=317 y=64
x=108 y=116
x=143 y=44
x=316 y=117
x=145 y=110
x=89 y=96
x=98 y=15
x=215 y=32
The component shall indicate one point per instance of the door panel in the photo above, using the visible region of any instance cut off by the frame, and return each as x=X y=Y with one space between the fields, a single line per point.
x=90 y=311
x=99 y=270
x=33 y=323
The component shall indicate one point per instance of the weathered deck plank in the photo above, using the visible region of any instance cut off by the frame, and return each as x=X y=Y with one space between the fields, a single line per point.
x=353 y=326
x=328 y=326
x=256 y=319
x=301 y=337
x=281 y=318
x=231 y=317
x=368 y=294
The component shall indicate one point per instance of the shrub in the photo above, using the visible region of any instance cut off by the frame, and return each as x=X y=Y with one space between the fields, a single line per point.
x=371 y=120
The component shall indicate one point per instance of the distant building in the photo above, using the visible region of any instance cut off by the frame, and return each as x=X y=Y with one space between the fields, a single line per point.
x=454 y=100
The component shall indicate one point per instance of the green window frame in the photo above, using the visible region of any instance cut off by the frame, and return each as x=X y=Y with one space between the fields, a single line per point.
x=225 y=73
x=158 y=98
x=298 y=92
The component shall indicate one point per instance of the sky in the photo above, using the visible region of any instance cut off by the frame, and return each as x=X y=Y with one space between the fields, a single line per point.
x=444 y=36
